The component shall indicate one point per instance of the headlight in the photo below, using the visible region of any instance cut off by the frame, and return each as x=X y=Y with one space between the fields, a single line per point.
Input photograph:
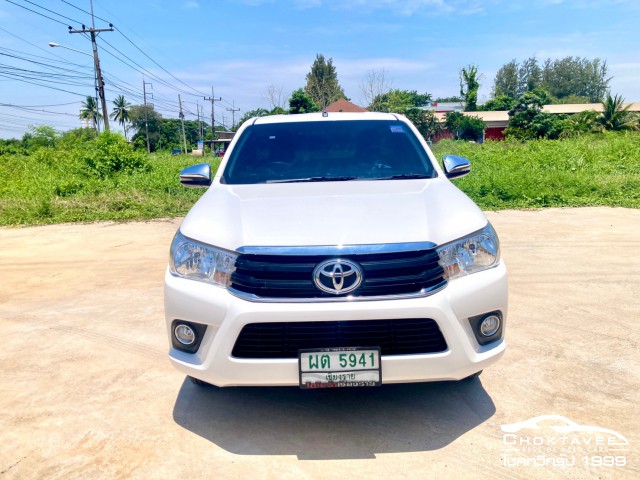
x=198 y=261
x=471 y=254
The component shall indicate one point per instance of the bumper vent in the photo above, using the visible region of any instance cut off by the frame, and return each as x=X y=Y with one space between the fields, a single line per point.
x=394 y=337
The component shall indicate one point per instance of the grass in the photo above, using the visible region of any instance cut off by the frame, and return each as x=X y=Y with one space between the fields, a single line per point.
x=36 y=193
x=52 y=187
x=585 y=171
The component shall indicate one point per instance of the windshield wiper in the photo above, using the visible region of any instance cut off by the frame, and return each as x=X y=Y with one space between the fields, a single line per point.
x=313 y=179
x=404 y=176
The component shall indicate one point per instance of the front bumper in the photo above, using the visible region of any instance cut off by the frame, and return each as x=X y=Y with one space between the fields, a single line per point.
x=225 y=315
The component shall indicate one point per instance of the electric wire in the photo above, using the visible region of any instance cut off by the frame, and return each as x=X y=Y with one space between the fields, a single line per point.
x=84 y=11
x=143 y=70
x=73 y=77
x=51 y=11
x=77 y=74
x=38 y=13
x=38 y=106
x=163 y=69
x=46 y=86
x=62 y=60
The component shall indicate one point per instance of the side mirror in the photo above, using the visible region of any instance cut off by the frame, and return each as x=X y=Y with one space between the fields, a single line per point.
x=196 y=176
x=455 y=166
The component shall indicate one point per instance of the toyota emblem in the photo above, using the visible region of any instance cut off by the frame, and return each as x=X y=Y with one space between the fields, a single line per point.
x=337 y=276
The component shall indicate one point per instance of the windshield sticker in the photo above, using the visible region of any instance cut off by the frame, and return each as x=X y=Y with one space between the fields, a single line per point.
x=396 y=129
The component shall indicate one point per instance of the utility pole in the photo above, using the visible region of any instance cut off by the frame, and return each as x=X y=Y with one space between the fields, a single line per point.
x=199 y=122
x=96 y=62
x=184 y=135
x=146 y=113
x=233 y=113
x=213 y=99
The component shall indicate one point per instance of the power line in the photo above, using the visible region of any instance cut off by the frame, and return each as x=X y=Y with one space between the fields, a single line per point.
x=45 y=86
x=33 y=110
x=83 y=11
x=141 y=69
x=164 y=69
x=38 y=13
x=62 y=60
x=26 y=59
x=51 y=11
x=38 y=106
x=77 y=74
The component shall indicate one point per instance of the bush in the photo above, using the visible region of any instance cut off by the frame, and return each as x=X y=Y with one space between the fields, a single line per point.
x=110 y=154
x=464 y=127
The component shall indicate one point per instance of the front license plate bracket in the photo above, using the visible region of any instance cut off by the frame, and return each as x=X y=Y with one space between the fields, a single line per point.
x=339 y=367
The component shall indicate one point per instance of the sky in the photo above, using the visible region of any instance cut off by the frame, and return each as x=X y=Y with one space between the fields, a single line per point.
x=242 y=47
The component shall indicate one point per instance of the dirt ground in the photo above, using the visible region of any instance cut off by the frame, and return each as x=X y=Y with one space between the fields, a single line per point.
x=87 y=391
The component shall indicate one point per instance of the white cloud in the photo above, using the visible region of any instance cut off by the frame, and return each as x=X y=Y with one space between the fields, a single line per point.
x=191 y=5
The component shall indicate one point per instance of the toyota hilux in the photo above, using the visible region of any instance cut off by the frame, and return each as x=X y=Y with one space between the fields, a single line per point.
x=332 y=250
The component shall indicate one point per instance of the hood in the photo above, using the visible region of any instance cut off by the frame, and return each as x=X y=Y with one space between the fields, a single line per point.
x=332 y=213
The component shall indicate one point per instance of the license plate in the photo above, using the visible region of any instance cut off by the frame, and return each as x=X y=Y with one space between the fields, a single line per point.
x=340 y=367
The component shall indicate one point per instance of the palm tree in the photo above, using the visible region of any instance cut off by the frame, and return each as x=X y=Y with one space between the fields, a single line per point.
x=90 y=111
x=614 y=116
x=121 y=112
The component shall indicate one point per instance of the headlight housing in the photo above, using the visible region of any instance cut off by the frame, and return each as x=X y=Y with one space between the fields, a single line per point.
x=198 y=261
x=474 y=253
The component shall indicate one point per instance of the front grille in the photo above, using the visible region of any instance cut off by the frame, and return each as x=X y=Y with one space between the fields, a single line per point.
x=291 y=276
x=395 y=337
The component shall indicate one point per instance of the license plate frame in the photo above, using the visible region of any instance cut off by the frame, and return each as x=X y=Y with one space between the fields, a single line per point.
x=339 y=371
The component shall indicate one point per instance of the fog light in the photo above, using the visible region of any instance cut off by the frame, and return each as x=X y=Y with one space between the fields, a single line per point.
x=490 y=325
x=184 y=334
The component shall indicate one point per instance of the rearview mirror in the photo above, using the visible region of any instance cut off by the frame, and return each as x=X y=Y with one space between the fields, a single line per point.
x=455 y=166
x=196 y=176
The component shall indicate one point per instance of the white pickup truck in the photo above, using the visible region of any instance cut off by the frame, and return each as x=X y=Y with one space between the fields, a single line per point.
x=331 y=250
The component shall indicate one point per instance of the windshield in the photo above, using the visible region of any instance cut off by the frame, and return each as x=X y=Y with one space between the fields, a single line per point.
x=327 y=151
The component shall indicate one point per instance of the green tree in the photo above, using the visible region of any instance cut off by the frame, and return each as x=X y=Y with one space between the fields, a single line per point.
x=449 y=99
x=40 y=136
x=529 y=76
x=507 y=81
x=576 y=76
x=398 y=101
x=464 y=127
x=527 y=121
x=300 y=102
x=142 y=116
x=89 y=111
x=258 y=112
x=120 y=112
x=322 y=82
x=76 y=137
x=615 y=116
x=499 y=103
x=571 y=99
x=409 y=103
x=469 y=86
x=425 y=121
x=562 y=78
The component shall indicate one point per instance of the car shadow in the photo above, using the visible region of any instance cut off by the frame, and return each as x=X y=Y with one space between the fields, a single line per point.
x=323 y=424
